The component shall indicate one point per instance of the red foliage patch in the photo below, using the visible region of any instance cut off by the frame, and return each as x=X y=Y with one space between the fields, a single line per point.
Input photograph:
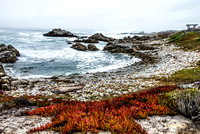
x=116 y=115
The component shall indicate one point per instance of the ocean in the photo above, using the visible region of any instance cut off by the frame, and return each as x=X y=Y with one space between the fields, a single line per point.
x=51 y=56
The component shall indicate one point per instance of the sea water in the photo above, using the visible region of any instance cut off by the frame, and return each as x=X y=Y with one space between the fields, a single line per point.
x=43 y=56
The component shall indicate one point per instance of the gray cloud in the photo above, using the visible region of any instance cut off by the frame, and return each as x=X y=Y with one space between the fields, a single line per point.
x=126 y=15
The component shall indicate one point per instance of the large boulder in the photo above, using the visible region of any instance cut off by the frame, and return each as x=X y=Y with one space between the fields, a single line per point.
x=92 y=47
x=114 y=48
x=101 y=37
x=11 y=48
x=79 y=46
x=59 y=33
x=8 y=54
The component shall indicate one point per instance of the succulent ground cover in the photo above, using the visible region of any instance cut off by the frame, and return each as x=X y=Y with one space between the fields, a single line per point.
x=116 y=115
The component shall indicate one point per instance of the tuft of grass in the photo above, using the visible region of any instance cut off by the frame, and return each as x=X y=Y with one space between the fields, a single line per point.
x=185 y=76
x=187 y=40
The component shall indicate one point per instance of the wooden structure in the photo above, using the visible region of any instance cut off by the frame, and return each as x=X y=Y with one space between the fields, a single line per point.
x=192 y=27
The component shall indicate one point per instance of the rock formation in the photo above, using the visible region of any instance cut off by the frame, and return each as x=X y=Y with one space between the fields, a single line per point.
x=8 y=54
x=79 y=46
x=137 y=46
x=59 y=33
x=4 y=79
x=101 y=37
x=92 y=47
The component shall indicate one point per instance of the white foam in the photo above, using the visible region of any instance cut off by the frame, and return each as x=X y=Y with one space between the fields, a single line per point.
x=36 y=48
x=114 y=66
x=24 y=34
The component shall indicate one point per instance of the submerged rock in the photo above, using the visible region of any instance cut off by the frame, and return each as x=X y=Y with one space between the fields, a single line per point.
x=59 y=33
x=8 y=54
x=79 y=46
x=92 y=47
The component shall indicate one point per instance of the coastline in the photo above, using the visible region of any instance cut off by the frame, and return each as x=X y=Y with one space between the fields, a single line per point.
x=103 y=85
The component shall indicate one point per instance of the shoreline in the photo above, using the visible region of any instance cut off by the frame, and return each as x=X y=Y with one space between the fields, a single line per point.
x=103 y=85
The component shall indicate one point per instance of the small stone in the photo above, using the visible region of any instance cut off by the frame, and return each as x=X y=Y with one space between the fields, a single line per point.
x=175 y=127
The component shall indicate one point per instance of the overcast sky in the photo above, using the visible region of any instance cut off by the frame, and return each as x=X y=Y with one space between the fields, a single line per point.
x=115 y=15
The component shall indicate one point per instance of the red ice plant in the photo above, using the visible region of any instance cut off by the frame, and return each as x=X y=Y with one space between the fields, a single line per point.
x=116 y=115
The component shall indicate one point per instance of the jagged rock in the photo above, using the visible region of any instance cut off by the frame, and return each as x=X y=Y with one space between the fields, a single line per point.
x=101 y=37
x=89 y=40
x=113 y=48
x=79 y=46
x=132 y=50
x=8 y=54
x=92 y=47
x=11 y=48
x=145 y=47
x=59 y=33
x=2 y=72
x=3 y=47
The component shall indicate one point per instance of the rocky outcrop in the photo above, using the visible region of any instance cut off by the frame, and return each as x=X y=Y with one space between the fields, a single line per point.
x=101 y=37
x=89 y=40
x=59 y=33
x=114 y=48
x=79 y=46
x=8 y=54
x=2 y=72
x=136 y=46
x=4 y=79
x=92 y=47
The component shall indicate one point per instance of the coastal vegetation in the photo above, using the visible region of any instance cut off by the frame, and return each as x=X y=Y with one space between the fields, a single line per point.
x=185 y=76
x=186 y=40
x=187 y=101
x=116 y=115
x=113 y=112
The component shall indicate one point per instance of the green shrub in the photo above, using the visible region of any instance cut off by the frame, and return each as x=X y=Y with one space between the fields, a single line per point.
x=187 y=102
